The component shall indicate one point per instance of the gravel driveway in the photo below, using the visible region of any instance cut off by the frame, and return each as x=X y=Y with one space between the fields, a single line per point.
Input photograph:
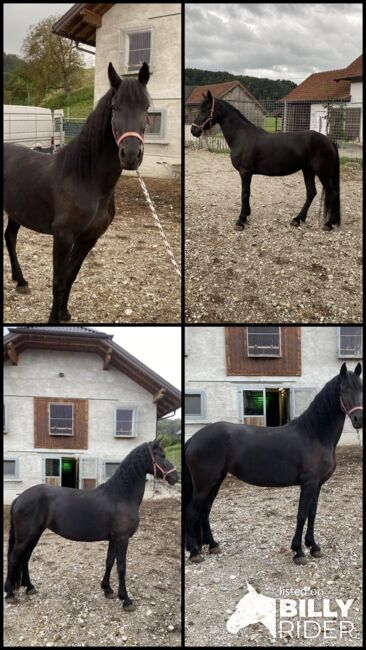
x=270 y=271
x=69 y=608
x=254 y=527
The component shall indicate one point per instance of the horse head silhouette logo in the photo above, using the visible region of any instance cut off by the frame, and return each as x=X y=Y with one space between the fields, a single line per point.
x=253 y=608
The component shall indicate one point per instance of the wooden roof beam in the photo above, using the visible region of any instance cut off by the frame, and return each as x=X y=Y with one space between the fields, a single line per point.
x=13 y=354
x=91 y=18
x=159 y=395
x=107 y=359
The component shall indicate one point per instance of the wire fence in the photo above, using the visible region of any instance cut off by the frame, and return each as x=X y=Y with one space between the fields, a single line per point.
x=340 y=121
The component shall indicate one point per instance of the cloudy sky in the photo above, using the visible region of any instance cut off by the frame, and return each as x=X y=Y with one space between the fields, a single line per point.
x=277 y=41
x=18 y=17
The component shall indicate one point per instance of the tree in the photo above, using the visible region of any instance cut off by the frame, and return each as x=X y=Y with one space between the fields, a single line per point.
x=53 y=62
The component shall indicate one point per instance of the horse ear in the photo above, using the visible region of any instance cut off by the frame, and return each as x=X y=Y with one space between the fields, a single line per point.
x=358 y=369
x=204 y=96
x=144 y=74
x=343 y=371
x=209 y=96
x=114 y=78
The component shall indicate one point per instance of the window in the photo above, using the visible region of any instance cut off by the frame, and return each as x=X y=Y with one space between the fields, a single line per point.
x=253 y=402
x=11 y=469
x=60 y=419
x=52 y=467
x=125 y=422
x=110 y=468
x=195 y=404
x=264 y=341
x=350 y=342
x=156 y=131
x=136 y=46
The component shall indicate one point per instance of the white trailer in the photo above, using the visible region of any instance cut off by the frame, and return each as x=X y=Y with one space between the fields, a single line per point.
x=33 y=126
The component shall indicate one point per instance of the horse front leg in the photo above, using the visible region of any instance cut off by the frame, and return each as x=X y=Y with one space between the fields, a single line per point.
x=307 y=494
x=315 y=549
x=111 y=556
x=62 y=247
x=121 y=553
x=309 y=178
x=78 y=255
x=11 y=233
x=246 y=178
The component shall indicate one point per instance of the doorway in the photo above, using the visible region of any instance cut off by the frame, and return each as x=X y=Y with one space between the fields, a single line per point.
x=70 y=472
x=266 y=406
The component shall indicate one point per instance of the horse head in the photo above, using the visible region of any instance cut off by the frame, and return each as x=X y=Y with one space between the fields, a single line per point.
x=129 y=105
x=161 y=467
x=206 y=118
x=351 y=394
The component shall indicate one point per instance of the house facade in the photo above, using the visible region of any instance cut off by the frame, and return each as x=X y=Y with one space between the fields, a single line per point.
x=127 y=34
x=329 y=102
x=264 y=375
x=75 y=404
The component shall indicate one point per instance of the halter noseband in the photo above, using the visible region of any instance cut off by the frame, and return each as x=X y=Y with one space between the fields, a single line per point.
x=208 y=119
x=355 y=408
x=130 y=134
x=156 y=465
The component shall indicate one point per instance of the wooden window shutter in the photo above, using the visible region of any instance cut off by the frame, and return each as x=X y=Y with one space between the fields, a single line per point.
x=239 y=363
x=42 y=437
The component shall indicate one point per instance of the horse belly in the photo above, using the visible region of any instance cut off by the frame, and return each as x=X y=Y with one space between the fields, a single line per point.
x=265 y=468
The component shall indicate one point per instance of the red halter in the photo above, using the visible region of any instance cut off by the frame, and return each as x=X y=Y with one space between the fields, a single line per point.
x=355 y=408
x=129 y=134
x=156 y=465
x=208 y=119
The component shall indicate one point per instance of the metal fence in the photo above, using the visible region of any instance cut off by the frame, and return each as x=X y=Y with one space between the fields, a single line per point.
x=342 y=121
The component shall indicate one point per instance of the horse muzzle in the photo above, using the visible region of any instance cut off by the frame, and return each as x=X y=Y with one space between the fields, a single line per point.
x=172 y=478
x=131 y=155
x=196 y=131
x=357 y=419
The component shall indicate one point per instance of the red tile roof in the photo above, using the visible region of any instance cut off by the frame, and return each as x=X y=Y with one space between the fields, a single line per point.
x=321 y=86
x=353 y=71
x=219 y=90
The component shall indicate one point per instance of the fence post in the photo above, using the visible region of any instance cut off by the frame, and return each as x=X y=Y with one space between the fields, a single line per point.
x=285 y=117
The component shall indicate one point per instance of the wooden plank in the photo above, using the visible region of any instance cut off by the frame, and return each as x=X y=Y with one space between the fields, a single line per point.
x=91 y=18
x=239 y=363
x=13 y=355
x=107 y=359
x=159 y=395
x=42 y=437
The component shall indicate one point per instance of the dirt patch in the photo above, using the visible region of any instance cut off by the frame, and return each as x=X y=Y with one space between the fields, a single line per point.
x=69 y=608
x=127 y=278
x=270 y=271
x=254 y=527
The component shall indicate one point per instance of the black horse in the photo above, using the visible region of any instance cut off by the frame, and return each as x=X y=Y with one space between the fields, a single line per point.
x=301 y=452
x=70 y=195
x=255 y=151
x=109 y=512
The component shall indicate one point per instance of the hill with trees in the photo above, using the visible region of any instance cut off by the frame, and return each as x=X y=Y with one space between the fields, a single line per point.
x=261 y=89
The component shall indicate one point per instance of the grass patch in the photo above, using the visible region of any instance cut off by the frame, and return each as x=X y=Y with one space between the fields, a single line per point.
x=79 y=103
x=173 y=454
x=345 y=159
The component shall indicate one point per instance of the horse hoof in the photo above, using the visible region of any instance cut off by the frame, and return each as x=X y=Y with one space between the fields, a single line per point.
x=65 y=316
x=327 y=228
x=112 y=595
x=239 y=227
x=317 y=553
x=31 y=591
x=129 y=608
x=196 y=558
x=215 y=550
x=300 y=560
x=294 y=223
x=11 y=600
x=24 y=288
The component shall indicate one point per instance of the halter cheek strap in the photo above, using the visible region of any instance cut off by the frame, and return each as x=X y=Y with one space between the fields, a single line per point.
x=355 y=408
x=131 y=134
x=156 y=465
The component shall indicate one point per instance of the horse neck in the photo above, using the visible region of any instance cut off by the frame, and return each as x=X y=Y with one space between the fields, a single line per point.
x=129 y=480
x=231 y=122
x=324 y=417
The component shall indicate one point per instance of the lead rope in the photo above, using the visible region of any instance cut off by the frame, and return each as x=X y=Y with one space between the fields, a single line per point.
x=151 y=205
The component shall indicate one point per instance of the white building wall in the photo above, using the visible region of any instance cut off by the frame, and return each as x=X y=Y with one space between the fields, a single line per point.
x=37 y=375
x=205 y=369
x=162 y=158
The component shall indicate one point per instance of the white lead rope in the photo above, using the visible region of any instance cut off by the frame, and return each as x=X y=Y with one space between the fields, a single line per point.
x=150 y=203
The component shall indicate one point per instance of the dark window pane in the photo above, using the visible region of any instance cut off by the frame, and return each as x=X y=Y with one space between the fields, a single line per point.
x=61 y=418
x=52 y=467
x=9 y=467
x=124 y=421
x=253 y=402
x=110 y=468
x=193 y=404
x=264 y=341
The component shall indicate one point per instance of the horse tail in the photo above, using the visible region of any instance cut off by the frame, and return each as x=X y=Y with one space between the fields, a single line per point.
x=188 y=484
x=332 y=203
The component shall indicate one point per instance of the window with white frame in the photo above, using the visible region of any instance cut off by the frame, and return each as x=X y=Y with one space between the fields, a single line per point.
x=60 y=419
x=195 y=404
x=52 y=467
x=156 y=130
x=264 y=341
x=350 y=342
x=125 y=421
x=10 y=468
x=135 y=49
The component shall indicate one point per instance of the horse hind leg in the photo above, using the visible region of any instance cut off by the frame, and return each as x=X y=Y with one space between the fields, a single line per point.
x=25 y=569
x=16 y=559
x=309 y=178
x=207 y=535
x=11 y=233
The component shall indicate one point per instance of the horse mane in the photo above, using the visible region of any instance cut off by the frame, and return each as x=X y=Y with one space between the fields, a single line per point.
x=316 y=416
x=96 y=137
x=129 y=469
x=235 y=110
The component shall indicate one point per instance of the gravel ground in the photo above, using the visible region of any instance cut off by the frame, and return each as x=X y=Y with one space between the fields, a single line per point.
x=127 y=278
x=69 y=608
x=270 y=271
x=254 y=527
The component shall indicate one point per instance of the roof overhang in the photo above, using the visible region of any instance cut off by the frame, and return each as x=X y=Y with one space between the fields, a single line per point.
x=166 y=396
x=81 y=22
